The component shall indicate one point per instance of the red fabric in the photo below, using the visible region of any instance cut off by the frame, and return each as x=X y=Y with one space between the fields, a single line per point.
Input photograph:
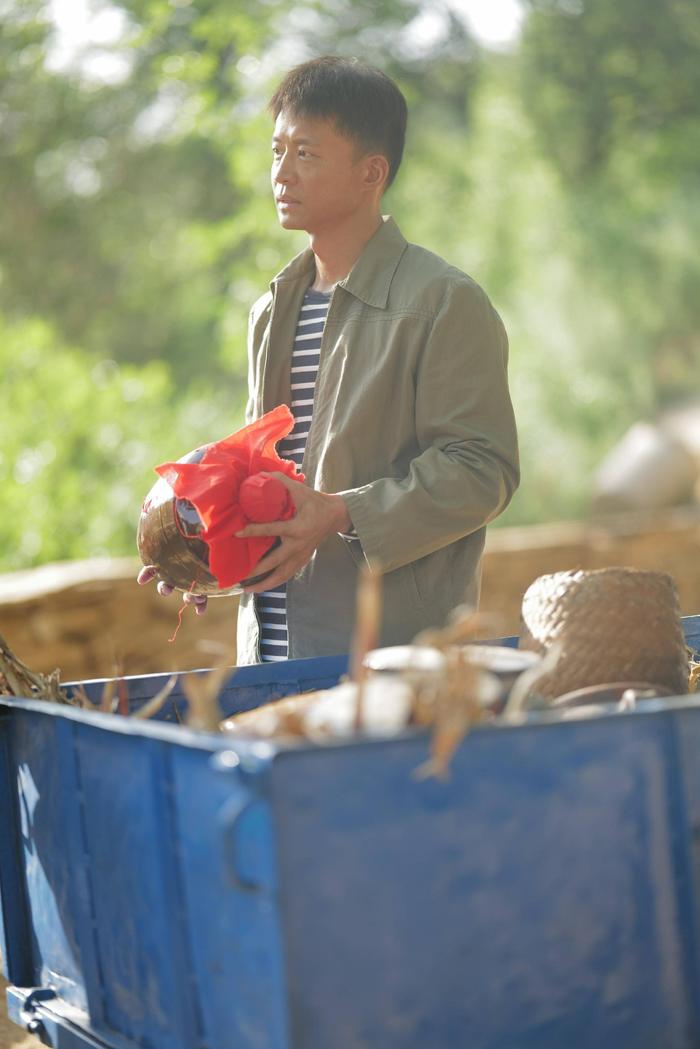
x=264 y=499
x=213 y=487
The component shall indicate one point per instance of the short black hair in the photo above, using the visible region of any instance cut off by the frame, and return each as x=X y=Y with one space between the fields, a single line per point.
x=365 y=104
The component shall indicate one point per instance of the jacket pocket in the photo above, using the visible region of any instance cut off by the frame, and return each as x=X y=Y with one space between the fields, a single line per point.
x=403 y=579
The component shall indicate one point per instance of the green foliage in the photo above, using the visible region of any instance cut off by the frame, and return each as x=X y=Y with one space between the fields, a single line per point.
x=600 y=78
x=613 y=93
x=125 y=188
x=78 y=446
x=137 y=229
x=578 y=371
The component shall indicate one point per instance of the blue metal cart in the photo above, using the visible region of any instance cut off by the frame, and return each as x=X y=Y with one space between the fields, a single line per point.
x=169 y=889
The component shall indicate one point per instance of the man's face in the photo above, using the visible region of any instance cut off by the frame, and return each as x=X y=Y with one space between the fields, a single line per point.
x=318 y=174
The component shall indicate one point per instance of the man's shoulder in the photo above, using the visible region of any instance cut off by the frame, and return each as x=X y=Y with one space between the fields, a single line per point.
x=426 y=280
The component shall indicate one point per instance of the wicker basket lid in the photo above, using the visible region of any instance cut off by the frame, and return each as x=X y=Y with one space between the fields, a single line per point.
x=610 y=624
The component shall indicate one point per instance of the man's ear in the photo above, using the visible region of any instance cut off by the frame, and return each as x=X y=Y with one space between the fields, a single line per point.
x=376 y=171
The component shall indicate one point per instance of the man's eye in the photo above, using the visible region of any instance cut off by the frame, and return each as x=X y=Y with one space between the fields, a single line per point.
x=302 y=153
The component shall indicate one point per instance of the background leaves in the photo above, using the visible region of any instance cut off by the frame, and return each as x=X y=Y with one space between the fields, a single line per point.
x=137 y=228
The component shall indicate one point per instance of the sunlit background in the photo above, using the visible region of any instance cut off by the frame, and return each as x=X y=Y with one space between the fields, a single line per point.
x=553 y=154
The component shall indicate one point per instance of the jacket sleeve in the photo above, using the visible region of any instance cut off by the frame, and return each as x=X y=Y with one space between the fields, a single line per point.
x=467 y=469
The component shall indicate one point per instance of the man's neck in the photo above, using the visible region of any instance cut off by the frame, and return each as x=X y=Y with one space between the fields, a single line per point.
x=337 y=250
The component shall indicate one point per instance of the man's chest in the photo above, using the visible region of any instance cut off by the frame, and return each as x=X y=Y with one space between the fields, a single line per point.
x=359 y=389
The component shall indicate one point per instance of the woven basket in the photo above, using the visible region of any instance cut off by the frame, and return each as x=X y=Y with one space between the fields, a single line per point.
x=611 y=624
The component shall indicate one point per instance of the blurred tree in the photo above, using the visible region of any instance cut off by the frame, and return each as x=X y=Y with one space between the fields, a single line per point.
x=600 y=78
x=148 y=199
x=77 y=447
x=104 y=225
x=613 y=91
x=138 y=228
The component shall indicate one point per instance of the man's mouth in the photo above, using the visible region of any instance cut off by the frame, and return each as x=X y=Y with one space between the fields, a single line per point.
x=286 y=200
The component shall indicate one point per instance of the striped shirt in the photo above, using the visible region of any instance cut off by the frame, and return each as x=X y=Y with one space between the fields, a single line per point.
x=272 y=604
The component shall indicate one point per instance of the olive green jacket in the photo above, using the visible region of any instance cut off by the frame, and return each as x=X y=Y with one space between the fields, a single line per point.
x=412 y=424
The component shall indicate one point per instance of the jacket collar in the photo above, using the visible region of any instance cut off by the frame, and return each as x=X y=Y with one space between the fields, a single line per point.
x=370 y=278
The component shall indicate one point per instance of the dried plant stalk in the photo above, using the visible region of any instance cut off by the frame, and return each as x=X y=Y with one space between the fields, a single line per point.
x=464 y=625
x=455 y=703
x=202 y=691
x=366 y=636
x=526 y=685
x=694 y=673
x=150 y=709
x=108 y=700
x=16 y=679
x=457 y=709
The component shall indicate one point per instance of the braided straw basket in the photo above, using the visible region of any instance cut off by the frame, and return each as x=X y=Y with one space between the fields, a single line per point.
x=611 y=624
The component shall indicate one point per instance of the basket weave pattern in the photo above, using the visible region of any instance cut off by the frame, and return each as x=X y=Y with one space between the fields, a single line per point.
x=611 y=624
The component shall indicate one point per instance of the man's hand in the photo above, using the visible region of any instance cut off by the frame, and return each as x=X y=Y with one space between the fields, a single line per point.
x=165 y=589
x=317 y=516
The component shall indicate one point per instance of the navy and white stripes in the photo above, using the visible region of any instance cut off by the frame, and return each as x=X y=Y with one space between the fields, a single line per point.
x=272 y=604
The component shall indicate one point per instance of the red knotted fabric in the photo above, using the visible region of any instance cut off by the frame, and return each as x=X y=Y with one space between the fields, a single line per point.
x=227 y=495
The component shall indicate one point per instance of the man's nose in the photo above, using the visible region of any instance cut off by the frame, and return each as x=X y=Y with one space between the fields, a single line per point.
x=283 y=172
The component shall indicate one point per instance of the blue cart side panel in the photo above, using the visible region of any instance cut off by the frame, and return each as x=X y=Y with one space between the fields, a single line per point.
x=139 y=954
x=55 y=1029
x=150 y=880
x=691 y=629
x=14 y=915
x=185 y=891
x=229 y=883
x=248 y=686
x=58 y=915
x=537 y=900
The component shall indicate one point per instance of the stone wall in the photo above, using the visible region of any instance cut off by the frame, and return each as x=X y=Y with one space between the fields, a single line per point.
x=91 y=619
x=667 y=541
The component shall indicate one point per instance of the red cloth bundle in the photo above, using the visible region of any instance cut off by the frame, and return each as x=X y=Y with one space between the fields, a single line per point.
x=227 y=495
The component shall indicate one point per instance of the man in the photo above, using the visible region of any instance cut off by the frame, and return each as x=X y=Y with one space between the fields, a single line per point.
x=394 y=365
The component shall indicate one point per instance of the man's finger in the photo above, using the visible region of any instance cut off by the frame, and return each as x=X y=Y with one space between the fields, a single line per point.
x=296 y=489
x=279 y=566
x=272 y=559
x=271 y=528
x=198 y=600
x=194 y=599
